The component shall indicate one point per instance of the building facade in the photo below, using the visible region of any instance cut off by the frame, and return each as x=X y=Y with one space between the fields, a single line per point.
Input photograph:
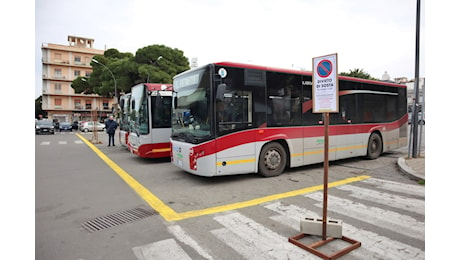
x=61 y=64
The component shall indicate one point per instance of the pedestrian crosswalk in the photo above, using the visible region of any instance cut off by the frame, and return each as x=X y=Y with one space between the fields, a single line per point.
x=47 y=143
x=389 y=208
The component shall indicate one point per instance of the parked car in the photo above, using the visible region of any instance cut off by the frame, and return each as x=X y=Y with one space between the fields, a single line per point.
x=89 y=126
x=65 y=126
x=75 y=125
x=44 y=127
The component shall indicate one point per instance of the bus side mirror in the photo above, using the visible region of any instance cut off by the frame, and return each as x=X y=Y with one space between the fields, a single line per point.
x=133 y=104
x=175 y=101
x=221 y=88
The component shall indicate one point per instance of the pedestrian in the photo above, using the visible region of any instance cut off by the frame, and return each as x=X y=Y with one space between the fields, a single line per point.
x=110 y=127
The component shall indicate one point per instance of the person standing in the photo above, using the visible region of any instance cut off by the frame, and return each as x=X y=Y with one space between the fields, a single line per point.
x=110 y=126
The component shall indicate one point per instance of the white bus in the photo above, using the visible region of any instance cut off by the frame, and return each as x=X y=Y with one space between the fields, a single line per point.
x=124 y=119
x=150 y=120
x=231 y=118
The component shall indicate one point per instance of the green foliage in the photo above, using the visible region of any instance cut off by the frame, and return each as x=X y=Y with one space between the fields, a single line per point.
x=115 y=54
x=160 y=64
x=129 y=70
x=38 y=108
x=358 y=73
x=81 y=85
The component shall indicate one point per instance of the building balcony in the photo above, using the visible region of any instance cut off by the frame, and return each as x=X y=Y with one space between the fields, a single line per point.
x=66 y=63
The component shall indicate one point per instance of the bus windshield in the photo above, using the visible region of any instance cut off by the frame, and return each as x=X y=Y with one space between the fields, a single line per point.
x=139 y=110
x=191 y=119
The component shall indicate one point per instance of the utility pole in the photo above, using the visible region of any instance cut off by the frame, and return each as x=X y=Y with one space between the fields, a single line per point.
x=415 y=109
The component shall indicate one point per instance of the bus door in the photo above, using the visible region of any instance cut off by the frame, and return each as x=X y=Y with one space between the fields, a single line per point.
x=314 y=131
x=347 y=132
x=235 y=147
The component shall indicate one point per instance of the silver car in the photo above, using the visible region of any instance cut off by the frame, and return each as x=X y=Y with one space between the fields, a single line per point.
x=92 y=125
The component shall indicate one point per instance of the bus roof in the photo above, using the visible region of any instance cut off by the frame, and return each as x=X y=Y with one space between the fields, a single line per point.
x=158 y=86
x=302 y=72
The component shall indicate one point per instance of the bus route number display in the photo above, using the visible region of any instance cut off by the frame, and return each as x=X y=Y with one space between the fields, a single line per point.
x=325 y=84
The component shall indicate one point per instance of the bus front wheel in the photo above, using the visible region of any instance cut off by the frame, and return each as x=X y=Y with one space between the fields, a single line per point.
x=374 y=147
x=272 y=160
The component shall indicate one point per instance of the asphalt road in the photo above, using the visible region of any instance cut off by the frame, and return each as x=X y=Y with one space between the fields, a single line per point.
x=99 y=202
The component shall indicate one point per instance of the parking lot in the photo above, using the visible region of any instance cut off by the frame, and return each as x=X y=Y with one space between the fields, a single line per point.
x=195 y=214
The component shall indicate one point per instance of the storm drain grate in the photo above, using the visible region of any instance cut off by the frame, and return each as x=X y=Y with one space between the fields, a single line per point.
x=117 y=219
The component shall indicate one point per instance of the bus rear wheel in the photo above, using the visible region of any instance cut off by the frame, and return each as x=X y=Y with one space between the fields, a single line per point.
x=272 y=160
x=374 y=146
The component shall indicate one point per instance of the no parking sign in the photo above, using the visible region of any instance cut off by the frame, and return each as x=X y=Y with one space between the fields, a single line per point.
x=325 y=84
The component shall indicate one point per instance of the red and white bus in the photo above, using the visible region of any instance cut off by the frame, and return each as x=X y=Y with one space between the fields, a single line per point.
x=150 y=120
x=124 y=117
x=232 y=118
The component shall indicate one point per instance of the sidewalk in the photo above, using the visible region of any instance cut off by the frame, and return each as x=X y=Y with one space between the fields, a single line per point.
x=413 y=167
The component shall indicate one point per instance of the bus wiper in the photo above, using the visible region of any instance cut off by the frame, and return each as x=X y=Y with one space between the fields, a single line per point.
x=183 y=137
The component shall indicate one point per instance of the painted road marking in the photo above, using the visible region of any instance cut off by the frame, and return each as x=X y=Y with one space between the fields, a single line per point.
x=372 y=244
x=391 y=200
x=410 y=189
x=164 y=249
x=251 y=240
x=180 y=234
x=170 y=215
x=376 y=216
x=254 y=241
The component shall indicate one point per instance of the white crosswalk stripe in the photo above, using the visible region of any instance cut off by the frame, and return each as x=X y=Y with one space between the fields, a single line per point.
x=409 y=189
x=401 y=202
x=258 y=241
x=180 y=234
x=165 y=249
x=251 y=240
x=373 y=215
x=61 y=142
x=373 y=245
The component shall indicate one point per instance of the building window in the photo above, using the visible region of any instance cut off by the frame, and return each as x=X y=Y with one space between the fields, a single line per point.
x=87 y=73
x=105 y=104
x=57 y=57
x=57 y=103
x=58 y=74
x=88 y=104
x=77 y=60
x=77 y=104
x=76 y=73
x=57 y=88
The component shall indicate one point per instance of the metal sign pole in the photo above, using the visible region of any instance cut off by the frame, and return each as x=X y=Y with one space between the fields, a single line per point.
x=326 y=172
x=325 y=100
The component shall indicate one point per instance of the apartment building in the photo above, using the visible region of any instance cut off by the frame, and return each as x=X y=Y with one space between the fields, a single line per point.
x=61 y=64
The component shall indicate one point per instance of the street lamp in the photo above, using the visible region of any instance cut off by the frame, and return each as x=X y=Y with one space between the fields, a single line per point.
x=116 y=95
x=153 y=63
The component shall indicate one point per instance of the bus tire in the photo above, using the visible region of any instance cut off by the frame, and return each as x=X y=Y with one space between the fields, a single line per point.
x=374 y=146
x=272 y=160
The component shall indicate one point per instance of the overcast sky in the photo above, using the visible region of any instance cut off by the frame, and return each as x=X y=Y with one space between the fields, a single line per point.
x=375 y=36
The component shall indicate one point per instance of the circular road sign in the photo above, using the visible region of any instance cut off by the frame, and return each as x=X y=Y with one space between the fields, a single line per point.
x=324 y=68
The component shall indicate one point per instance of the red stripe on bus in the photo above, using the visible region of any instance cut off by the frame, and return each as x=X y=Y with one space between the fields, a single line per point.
x=271 y=134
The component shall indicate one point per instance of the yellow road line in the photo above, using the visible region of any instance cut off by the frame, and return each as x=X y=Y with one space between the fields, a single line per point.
x=253 y=202
x=170 y=215
x=164 y=210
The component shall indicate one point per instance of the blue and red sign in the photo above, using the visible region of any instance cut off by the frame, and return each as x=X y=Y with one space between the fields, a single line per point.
x=325 y=84
x=324 y=68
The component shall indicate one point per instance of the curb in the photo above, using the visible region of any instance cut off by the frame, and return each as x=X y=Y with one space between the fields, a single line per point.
x=409 y=171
